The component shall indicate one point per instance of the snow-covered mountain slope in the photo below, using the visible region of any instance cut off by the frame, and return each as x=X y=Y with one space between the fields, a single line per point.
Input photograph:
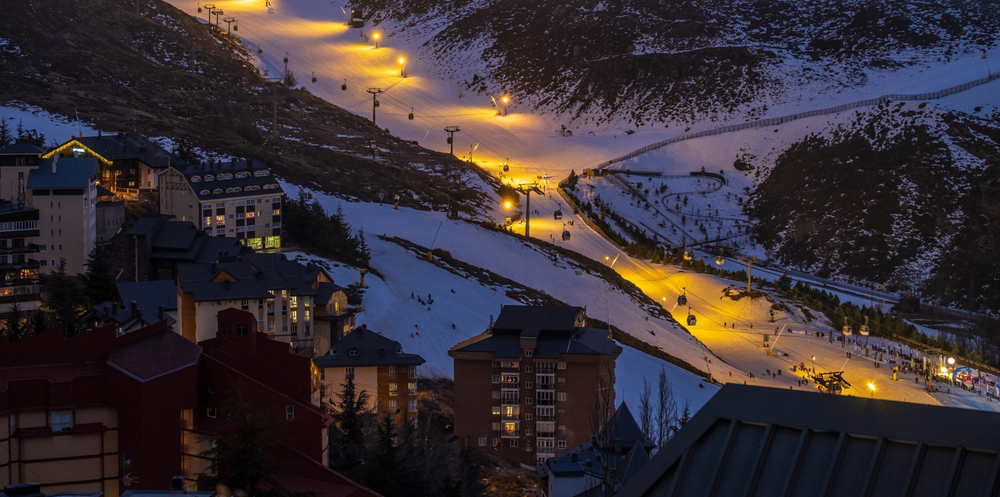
x=662 y=63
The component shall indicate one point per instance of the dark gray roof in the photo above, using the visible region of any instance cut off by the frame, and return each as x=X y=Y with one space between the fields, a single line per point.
x=21 y=149
x=129 y=146
x=372 y=349
x=70 y=173
x=146 y=224
x=256 y=275
x=529 y=321
x=125 y=317
x=587 y=341
x=150 y=294
x=254 y=181
x=182 y=241
x=750 y=440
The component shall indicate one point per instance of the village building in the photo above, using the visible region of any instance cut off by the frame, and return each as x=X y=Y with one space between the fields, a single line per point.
x=102 y=410
x=65 y=193
x=529 y=386
x=238 y=199
x=378 y=366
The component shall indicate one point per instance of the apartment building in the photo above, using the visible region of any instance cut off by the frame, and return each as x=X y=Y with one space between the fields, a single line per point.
x=16 y=161
x=528 y=387
x=284 y=295
x=238 y=199
x=65 y=193
x=378 y=366
x=18 y=257
x=104 y=410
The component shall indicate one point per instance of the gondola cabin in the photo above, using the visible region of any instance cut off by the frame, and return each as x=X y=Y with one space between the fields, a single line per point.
x=718 y=260
x=357 y=19
x=687 y=255
x=692 y=320
x=682 y=300
x=565 y=235
x=557 y=214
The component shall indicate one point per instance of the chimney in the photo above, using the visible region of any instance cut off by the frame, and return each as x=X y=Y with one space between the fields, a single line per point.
x=162 y=309
x=98 y=133
x=55 y=158
x=134 y=308
x=177 y=485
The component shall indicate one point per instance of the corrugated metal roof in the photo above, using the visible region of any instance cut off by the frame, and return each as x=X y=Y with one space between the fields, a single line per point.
x=755 y=441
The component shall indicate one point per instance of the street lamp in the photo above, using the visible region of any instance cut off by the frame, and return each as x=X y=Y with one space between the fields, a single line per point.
x=375 y=36
x=871 y=386
x=951 y=361
x=814 y=364
x=506 y=102
x=402 y=65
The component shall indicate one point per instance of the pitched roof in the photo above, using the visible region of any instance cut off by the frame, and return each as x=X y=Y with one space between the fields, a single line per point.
x=128 y=146
x=750 y=440
x=532 y=320
x=254 y=276
x=243 y=174
x=155 y=355
x=70 y=173
x=21 y=149
x=150 y=295
x=369 y=349
x=585 y=341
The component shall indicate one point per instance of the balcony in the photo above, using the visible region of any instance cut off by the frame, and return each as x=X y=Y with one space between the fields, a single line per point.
x=546 y=434
x=510 y=386
x=545 y=418
x=30 y=248
x=514 y=401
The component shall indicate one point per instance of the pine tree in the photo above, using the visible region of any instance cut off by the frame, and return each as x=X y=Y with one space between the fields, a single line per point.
x=13 y=325
x=381 y=467
x=100 y=283
x=347 y=434
x=6 y=137
x=62 y=297
x=39 y=322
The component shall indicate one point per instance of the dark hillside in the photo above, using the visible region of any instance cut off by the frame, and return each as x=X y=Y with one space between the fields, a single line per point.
x=906 y=198
x=165 y=74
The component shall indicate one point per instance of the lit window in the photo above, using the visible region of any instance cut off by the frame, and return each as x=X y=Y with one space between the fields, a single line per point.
x=393 y=390
x=411 y=388
x=61 y=420
x=496 y=410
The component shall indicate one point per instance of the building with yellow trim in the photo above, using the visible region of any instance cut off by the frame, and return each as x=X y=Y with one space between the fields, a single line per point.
x=128 y=163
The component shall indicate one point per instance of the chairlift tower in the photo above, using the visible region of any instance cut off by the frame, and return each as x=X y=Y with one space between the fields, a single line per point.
x=274 y=123
x=374 y=92
x=749 y=261
x=451 y=130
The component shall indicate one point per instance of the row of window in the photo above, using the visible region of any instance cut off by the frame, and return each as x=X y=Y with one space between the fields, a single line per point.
x=224 y=176
x=289 y=412
x=236 y=189
x=411 y=389
x=541 y=443
x=411 y=370
x=510 y=381
x=411 y=405
x=543 y=367
x=221 y=219
x=240 y=203
x=221 y=231
x=20 y=225
x=543 y=398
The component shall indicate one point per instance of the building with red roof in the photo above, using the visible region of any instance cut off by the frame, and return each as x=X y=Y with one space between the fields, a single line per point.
x=104 y=410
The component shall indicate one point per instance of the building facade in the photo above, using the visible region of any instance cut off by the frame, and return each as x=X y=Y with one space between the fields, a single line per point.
x=238 y=199
x=284 y=295
x=18 y=257
x=528 y=388
x=65 y=193
x=92 y=412
x=128 y=163
x=16 y=161
x=378 y=366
